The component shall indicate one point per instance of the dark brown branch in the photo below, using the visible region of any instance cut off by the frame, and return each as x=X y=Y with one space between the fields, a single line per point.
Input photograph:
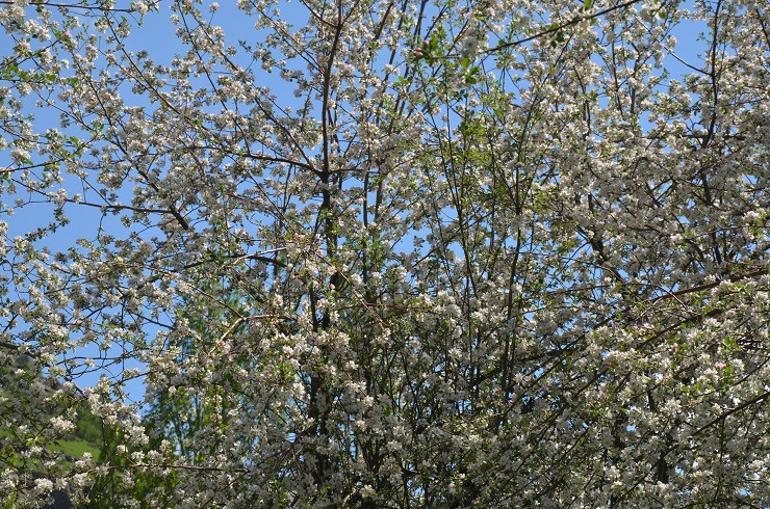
x=71 y=6
x=554 y=29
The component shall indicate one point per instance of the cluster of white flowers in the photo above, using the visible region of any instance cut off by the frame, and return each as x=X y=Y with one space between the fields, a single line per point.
x=351 y=266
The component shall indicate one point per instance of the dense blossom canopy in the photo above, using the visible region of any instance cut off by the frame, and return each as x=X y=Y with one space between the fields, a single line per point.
x=385 y=253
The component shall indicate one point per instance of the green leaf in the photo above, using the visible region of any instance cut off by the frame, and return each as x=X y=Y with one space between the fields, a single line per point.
x=730 y=343
x=587 y=4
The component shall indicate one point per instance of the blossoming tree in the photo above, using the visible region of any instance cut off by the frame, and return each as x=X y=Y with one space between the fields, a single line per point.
x=386 y=253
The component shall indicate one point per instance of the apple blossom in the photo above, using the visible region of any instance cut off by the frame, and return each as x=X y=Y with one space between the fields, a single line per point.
x=500 y=253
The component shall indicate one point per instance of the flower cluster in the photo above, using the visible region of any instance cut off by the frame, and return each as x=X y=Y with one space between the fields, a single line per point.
x=500 y=253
